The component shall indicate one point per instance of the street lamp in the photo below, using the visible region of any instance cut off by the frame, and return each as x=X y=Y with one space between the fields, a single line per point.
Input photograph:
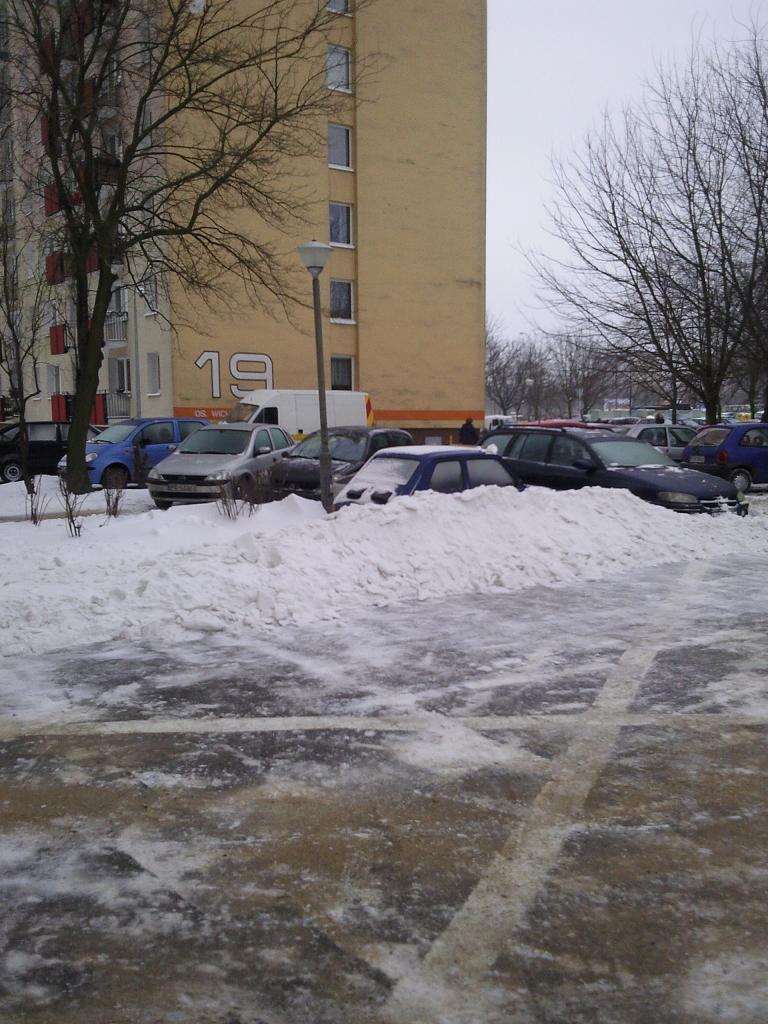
x=314 y=256
x=528 y=382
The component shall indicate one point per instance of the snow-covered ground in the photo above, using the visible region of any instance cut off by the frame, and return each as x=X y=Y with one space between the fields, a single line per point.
x=13 y=499
x=190 y=571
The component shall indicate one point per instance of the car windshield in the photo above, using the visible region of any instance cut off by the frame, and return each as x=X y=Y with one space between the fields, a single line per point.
x=628 y=453
x=117 y=433
x=215 y=441
x=343 y=447
x=385 y=472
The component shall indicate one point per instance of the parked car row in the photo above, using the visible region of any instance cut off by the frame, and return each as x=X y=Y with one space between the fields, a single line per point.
x=567 y=458
x=187 y=460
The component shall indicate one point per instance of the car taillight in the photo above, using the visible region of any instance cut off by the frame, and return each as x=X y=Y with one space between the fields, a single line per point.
x=722 y=458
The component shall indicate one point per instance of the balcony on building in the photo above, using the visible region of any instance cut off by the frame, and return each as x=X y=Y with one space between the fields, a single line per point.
x=116 y=329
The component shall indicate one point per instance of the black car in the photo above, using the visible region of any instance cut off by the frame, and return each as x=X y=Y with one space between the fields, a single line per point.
x=565 y=458
x=299 y=471
x=47 y=445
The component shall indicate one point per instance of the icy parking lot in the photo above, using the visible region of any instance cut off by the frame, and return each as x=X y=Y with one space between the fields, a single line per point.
x=485 y=808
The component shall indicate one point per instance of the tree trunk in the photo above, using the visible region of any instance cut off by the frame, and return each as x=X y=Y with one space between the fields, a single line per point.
x=764 y=417
x=711 y=408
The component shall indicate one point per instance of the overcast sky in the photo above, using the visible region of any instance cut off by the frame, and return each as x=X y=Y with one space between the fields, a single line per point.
x=553 y=68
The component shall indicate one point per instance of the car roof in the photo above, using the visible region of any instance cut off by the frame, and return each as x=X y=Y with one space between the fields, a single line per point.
x=432 y=450
x=221 y=425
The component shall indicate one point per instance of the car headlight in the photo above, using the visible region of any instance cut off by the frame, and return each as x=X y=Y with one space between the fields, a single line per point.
x=91 y=457
x=154 y=475
x=219 y=477
x=678 y=498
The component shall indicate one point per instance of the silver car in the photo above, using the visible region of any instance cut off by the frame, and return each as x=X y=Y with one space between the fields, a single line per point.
x=670 y=438
x=224 y=455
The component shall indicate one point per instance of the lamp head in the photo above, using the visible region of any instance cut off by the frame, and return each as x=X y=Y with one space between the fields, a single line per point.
x=314 y=256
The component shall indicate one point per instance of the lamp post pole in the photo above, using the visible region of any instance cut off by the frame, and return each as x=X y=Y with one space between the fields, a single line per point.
x=314 y=256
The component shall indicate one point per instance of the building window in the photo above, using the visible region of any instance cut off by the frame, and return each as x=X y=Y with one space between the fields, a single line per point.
x=339 y=68
x=339 y=146
x=338 y=6
x=340 y=216
x=149 y=291
x=120 y=375
x=341 y=373
x=341 y=301
x=153 y=373
x=54 y=379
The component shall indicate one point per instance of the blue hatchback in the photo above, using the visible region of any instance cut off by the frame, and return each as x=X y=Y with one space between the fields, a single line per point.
x=124 y=453
x=446 y=469
x=734 y=451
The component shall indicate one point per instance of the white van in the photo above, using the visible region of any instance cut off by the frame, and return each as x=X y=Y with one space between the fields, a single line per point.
x=298 y=412
x=497 y=420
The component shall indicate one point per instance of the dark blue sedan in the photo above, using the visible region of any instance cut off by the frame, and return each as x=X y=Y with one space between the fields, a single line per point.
x=567 y=459
x=446 y=469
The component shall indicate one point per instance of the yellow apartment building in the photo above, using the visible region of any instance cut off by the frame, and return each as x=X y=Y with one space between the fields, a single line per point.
x=400 y=194
x=397 y=187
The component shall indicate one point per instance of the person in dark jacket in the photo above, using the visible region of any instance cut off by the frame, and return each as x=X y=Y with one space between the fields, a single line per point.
x=468 y=433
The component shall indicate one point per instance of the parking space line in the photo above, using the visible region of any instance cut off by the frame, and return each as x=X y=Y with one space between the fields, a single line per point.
x=583 y=722
x=448 y=984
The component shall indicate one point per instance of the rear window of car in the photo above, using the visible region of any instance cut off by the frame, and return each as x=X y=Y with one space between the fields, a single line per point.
x=711 y=438
x=386 y=472
x=487 y=471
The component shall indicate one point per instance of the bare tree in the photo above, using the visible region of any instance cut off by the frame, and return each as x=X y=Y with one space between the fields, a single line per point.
x=656 y=217
x=579 y=366
x=164 y=130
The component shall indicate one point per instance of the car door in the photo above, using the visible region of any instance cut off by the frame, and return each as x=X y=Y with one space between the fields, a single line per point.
x=262 y=451
x=44 y=447
x=657 y=436
x=678 y=439
x=752 y=452
x=156 y=441
x=526 y=455
x=564 y=475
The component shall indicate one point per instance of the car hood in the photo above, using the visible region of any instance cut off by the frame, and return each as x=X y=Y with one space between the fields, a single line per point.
x=180 y=464
x=299 y=470
x=672 y=478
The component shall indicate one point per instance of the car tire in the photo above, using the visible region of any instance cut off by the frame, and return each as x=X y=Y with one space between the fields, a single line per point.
x=11 y=472
x=741 y=480
x=115 y=478
x=162 y=505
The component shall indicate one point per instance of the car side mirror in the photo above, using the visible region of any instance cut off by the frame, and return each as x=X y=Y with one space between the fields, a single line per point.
x=584 y=464
x=264 y=450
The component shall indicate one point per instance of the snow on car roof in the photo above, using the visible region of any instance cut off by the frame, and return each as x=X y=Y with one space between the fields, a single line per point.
x=430 y=449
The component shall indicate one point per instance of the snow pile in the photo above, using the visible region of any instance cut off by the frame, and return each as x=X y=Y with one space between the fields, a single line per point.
x=164 y=575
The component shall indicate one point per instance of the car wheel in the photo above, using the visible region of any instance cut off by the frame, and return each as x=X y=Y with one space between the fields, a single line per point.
x=115 y=478
x=163 y=505
x=11 y=472
x=741 y=480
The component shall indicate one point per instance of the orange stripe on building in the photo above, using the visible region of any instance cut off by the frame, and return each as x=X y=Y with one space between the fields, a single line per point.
x=429 y=415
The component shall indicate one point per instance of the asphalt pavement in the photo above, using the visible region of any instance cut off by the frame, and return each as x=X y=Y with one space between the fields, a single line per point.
x=539 y=807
